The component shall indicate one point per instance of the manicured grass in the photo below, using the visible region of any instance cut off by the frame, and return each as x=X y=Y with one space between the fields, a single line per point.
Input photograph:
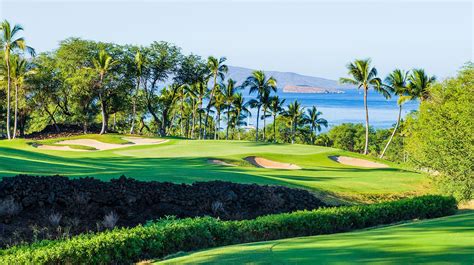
x=185 y=161
x=447 y=240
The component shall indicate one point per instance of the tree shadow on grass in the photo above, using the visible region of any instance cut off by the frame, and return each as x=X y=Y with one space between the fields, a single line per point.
x=447 y=240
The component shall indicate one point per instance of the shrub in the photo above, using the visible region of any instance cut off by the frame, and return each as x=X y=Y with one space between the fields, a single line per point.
x=170 y=235
x=442 y=136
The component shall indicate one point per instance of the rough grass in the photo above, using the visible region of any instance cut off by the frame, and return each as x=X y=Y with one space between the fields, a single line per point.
x=185 y=161
x=447 y=240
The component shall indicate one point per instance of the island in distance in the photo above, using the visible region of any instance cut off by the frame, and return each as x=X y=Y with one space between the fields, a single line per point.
x=289 y=82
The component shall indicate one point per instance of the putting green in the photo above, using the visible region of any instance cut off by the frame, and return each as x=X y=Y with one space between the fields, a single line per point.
x=186 y=161
x=447 y=240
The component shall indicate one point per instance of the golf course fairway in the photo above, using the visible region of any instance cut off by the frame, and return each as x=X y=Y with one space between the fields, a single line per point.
x=446 y=240
x=187 y=161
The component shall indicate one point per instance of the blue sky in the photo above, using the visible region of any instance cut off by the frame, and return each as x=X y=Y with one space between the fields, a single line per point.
x=315 y=38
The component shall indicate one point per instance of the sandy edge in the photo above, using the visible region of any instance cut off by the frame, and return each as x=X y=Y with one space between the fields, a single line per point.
x=351 y=161
x=266 y=163
x=219 y=162
x=100 y=145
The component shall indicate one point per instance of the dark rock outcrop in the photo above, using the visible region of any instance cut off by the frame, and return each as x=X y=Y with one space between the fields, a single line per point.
x=83 y=203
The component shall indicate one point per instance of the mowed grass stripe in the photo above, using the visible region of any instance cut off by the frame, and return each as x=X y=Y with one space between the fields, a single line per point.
x=447 y=240
x=186 y=161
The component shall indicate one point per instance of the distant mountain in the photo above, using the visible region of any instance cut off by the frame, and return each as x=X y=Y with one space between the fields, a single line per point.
x=291 y=82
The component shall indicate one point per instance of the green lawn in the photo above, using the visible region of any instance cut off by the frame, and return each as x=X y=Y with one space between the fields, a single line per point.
x=447 y=240
x=185 y=161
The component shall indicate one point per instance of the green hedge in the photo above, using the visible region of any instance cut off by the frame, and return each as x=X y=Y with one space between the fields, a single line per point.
x=170 y=235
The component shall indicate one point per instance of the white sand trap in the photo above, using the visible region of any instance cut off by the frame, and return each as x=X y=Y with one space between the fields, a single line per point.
x=219 y=162
x=57 y=148
x=265 y=163
x=351 y=161
x=107 y=146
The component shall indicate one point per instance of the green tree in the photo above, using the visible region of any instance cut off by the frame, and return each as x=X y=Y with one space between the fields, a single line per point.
x=102 y=65
x=419 y=82
x=396 y=83
x=217 y=70
x=295 y=113
x=139 y=65
x=442 y=136
x=276 y=108
x=263 y=86
x=313 y=118
x=18 y=73
x=10 y=42
x=240 y=111
x=230 y=90
x=219 y=103
x=364 y=76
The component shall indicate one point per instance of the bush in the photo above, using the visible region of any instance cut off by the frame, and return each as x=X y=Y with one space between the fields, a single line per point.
x=442 y=137
x=170 y=235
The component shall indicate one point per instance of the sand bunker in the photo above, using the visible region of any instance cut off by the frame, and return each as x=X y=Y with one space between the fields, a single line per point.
x=265 y=163
x=57 y=148
x=351 y=161
x=101 y=145
x=219 y=162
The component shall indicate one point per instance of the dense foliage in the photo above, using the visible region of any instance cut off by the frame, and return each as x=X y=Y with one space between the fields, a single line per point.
x=167 y=236
x=442 y=137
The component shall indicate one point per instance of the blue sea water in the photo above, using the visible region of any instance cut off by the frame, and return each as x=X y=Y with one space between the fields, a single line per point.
x=349 y=107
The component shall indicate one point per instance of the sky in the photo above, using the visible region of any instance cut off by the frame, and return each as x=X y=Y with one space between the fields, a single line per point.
x=315 y=38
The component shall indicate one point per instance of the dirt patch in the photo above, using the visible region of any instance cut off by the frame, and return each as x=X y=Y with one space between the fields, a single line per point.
x=266 y=163
x=219 y=162
x=357 y=162
x=37 y=206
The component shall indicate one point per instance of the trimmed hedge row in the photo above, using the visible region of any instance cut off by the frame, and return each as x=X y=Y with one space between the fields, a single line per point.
x=170 y=235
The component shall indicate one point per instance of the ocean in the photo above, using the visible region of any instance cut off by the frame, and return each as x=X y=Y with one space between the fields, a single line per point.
x=349 y=107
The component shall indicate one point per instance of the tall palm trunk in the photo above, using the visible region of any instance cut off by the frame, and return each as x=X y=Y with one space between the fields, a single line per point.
x=394 y=130
x=15 y=117
x=274 y=129
x=366 y=122
x=134 y=107
x=264 y=122
x=200 y=125
x=228 y=123
x=218 y=125
x=193 y=121
x=8 y=96
x=258 y=116
x=292 y=132
x=102 y=106
x=313 y=133
x=208 y=108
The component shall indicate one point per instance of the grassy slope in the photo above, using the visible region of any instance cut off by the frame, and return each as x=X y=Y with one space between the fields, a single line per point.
x=185 y=161
x=447 y=240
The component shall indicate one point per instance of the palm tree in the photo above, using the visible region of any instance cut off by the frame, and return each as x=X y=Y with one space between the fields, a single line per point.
x=295 y=114
x=276 y=107
x=313 y=119
x=102 y=64
x=139 y=62
x=18 y=73
x=265 y=100
x=396 y=83
x=229 y=92
x=262 y=85
x=219 y=102
x=218 y=70
x=364 y=76
x=9 y=43
x=240 y=110
x=418 y=84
